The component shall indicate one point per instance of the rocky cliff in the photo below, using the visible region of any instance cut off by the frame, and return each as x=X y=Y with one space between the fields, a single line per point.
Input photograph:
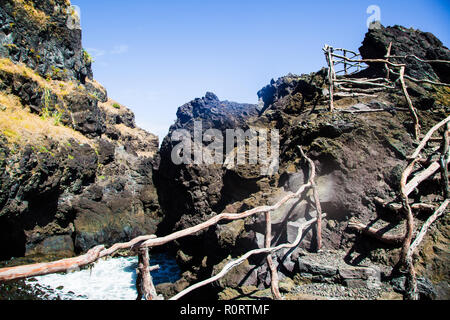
x=359 y=157
x=75 y=171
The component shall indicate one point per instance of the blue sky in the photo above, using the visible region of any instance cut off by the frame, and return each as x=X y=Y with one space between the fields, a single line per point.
x=154 y=56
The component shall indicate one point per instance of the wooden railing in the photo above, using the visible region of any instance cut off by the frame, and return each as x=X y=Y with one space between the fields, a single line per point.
x=141 y=245
x=374 y=85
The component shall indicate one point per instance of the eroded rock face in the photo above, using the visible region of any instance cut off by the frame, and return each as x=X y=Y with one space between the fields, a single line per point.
x=75 y=170
x=46 y=36
x=358 y=157
x=424 y=45
x=200 y=189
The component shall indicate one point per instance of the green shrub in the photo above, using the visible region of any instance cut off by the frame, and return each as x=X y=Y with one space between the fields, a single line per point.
x=87 y=57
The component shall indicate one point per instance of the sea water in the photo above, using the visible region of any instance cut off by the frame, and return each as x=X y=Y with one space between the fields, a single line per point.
x=112 y=279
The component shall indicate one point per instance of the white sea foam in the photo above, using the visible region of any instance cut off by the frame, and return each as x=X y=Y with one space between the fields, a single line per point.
x=113 y=279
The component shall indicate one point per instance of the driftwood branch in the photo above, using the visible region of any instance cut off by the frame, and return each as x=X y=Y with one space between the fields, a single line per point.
x=237 y=262
x=396 y=207
x=422 y=176
x=40 y=269
x=353 y=95
x=144 y=282
x=428 y=136
x=408 y=211
x=273 y=270
x=368 y=83
x=444 y=161
x=331 y=75
x=419 y=59
x=387 y=58
x=312 y=177
x=380 y=235
x=410 y=104
x=420 y=236
x=413 y=292
x=435 y=83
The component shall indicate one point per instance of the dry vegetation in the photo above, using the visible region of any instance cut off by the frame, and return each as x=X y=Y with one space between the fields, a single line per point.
x=26 y=8
x=19 y=125
x=22 y=127
x=59 y=88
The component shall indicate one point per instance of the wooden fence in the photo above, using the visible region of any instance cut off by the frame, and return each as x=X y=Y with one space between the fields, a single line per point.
x=352 y=64
x=141 y=245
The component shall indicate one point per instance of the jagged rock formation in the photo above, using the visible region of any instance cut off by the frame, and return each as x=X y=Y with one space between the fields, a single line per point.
x=407 y=42
x=75 y=171
x=200 y=190
x=359 y=156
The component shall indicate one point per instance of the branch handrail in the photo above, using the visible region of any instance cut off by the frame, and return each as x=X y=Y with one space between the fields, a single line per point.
x=406 y=188
x=335 y=83
x=419 y=59
x=237 y=262
x=145 y=286
x=396 y=65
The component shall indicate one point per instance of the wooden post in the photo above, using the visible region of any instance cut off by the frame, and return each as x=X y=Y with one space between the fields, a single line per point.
x=387 y=59
x=144 y=283
x=319 y=216
x=408 y=212
x=345 y=62
x=273 y=270
x=410 y=105
x=331 y=75
x=444 y=161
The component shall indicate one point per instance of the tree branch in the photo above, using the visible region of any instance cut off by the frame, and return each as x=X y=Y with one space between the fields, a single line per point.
x=413 y=293
x=389 y=239
x=273 y=270
x=428 y=137
x=237 y=262
x=411 y=107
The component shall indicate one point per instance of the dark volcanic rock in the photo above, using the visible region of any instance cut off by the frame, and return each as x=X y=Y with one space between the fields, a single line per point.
x=46 y=36
x=358 y=157
x=200 y=190
x=424 y=45
x=75 y=171
x=299 y=91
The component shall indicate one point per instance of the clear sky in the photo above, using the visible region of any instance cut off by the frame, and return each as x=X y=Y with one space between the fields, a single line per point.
x=154 y=56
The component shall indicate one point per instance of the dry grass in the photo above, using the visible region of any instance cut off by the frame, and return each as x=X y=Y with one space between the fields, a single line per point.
x=8 y=66
x=59 y=88
x=109 y=107
x=26 y=8
x=22 y=127
x=442 y=95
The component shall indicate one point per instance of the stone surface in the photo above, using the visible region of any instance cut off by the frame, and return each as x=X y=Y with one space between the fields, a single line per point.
x=408 y=42
x=75 y=171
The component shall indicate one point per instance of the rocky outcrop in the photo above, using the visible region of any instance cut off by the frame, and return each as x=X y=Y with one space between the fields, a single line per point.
x=46 y=36
x=423 y=45
x=359 y=156
x=201 y=190
x=75 y=170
